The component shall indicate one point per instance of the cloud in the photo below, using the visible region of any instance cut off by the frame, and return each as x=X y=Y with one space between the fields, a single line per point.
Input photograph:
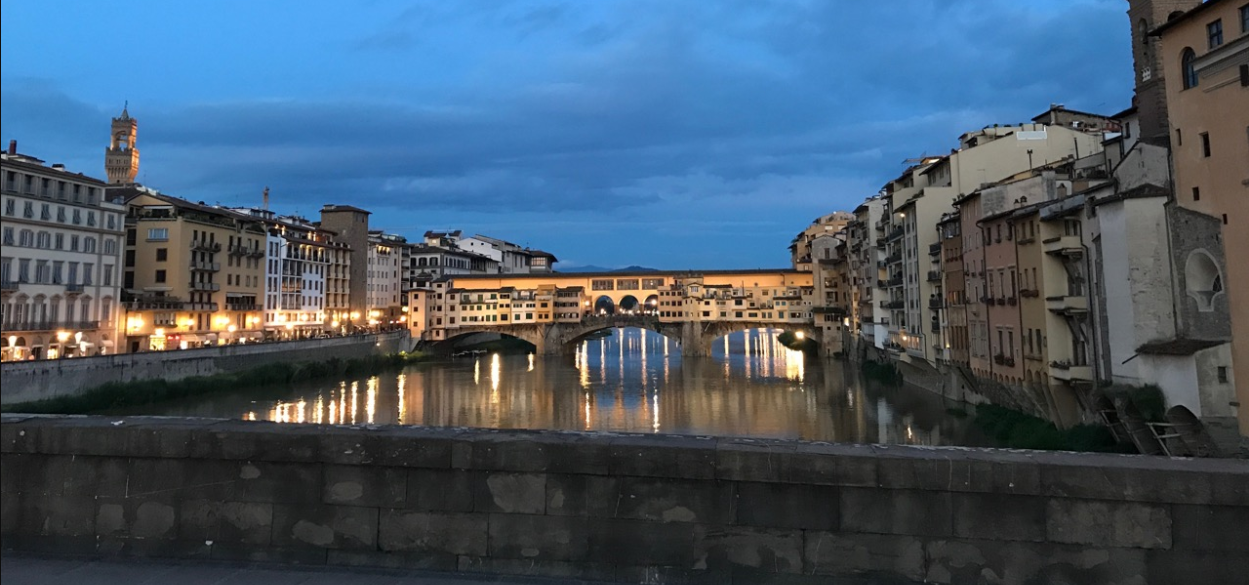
x=632 y=118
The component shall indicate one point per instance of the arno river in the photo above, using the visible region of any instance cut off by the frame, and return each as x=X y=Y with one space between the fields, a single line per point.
x=633 y=381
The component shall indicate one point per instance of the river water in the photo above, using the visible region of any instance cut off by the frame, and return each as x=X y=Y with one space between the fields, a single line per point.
x=632 y=381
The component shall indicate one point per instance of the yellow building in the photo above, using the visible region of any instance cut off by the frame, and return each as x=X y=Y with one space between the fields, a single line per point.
x=1205 y=58
x=195 y=273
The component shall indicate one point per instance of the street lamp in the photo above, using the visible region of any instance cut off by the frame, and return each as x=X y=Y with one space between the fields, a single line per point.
x=62 y=337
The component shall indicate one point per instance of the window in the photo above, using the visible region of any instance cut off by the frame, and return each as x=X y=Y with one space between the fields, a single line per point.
x=110 y=247
x=108 y=275
x=88 y=269
x=60 y=242
x=162 y=254
x=27 y=239
x=1214 y=32
x=157 y=234
x=1189 y=69
x=1223 y=369
x=1205 y=144
x=1196 y=194
x=28 y=210
x=88 y=245
x=8 y=236
x=10 y=207
x=77 y=217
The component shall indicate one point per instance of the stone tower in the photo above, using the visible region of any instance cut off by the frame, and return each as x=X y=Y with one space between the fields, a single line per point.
x=121 y=158
x=1151 y=89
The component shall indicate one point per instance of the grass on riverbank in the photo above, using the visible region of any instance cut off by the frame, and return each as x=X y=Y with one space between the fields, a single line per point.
x=1016 y=430
x=119 y=395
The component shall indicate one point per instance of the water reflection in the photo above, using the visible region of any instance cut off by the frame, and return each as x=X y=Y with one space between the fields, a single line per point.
x=632 y=381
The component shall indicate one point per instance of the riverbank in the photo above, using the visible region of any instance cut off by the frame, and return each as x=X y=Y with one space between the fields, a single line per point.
x=275 y=377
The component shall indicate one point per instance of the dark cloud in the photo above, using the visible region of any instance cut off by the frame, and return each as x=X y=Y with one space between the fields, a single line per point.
x=668 y=120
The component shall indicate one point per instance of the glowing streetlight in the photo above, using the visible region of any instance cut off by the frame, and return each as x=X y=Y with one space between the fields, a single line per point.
x=800 y=335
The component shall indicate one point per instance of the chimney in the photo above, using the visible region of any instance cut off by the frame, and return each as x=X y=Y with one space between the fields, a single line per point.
x=58 y=167
x=12 y=147
x=266 y=199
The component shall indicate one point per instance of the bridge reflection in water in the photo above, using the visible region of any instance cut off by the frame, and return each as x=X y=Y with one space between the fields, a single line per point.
x=634 y=381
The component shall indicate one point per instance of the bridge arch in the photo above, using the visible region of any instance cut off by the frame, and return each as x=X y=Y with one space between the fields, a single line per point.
x=651 y=305
x=629 y=304
x=604 y=305
x=573 y=334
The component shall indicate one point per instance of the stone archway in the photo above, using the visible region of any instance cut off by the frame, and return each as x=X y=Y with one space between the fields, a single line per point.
x=629 y=304
x=604 y=305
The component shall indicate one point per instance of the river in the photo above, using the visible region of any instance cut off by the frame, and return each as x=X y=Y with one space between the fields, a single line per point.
x=632 y=381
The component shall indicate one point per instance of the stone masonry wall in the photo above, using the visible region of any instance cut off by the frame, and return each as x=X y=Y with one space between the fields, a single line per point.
x=37 y=380
x=628 y=508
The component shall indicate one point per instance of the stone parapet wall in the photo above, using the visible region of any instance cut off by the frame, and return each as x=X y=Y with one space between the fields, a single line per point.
x=628 y=508
x=38 y=380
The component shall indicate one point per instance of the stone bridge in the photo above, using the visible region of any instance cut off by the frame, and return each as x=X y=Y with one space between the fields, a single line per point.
x=695 y=338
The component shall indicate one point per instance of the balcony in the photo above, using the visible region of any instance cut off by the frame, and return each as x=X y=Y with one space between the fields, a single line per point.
x=934 y=276
x=205 y=246
x=1067 y=305
x=1071 y=373
x=1064 y=245
x=75 y=289
x=9 y=286
x=897 y=232
x=204 y=286
x=1029 y=293
x=200 y=307
x=893 y=258
x=206 y=266
x=934 y=249
x=936 y=303
x=249 y=306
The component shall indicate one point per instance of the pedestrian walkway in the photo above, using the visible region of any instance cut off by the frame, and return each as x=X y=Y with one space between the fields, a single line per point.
x=24 y=570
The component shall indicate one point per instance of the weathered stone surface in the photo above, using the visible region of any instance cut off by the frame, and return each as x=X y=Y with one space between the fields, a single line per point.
x=663 y=456
x=1108 y=524
x=1211 y=528
x=260 y=441
x=513 y=493
x=908 y=512
x=509 y=452
x=58 y=515
x=582 y=495
x=675 y=501
x=413 y=447
x=428 y=561
x=1194 y=566
x=551 y=538
x=358 y=485
x=752 y=460
x=133 y=518
x=460 y=534
x=324 y=526
x=889 y=556
x=769 y=550
x=1137 y=478
x=67 y=475
x=225 y=522
x=832 y=464
x=999 y=517
x=443 y=490
x=538 y=567
x=637 y=542
x=788 y=505
x=1024 y=563
x=293 y=555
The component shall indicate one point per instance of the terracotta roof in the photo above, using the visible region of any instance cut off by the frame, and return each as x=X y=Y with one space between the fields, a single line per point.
x=1157 y=32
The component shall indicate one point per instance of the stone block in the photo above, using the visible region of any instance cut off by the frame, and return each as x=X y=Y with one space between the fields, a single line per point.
x=578 y=454
x=769 y=550
x=414 y=447
x=908 y=512
x=442 y=490
x=753 y=460
x=956 y=470
x=136 y=518
x=325 y=526
x=1127 y=478
x=11 y=505
x=17 y=436
x=288 y=555
x=779 y=505
x=1211 y=528
x=991 y=561
x=226 y=522
x=358 y=485
x=257 y=441
x=638 y=542
x=548 y=538
x=82 y=435
x=184 y=478
x=509 y=451
x=58 y=515
x=79 y=476
x=1196 y=566
x=669 y=500
x=832 y=464
x=1108 y=524
x=17 y=472
x=582 y=495
x=999 y=516
x=348 y=446
x=663 y=456
x=512 y=493
x=884 y=558
x=460 y=534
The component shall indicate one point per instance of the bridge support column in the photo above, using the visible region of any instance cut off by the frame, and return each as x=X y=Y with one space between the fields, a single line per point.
x=694 y=342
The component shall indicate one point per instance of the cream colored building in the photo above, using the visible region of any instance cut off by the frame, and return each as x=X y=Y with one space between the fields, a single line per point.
x=826 y=225
x=61 y=264
x=385 y=282
x=196 y=273
x=1205 y=57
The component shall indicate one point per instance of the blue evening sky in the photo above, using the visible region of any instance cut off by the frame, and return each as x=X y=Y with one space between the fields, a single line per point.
x=667 y=133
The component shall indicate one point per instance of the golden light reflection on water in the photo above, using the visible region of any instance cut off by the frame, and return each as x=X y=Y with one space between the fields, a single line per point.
x=754 y=386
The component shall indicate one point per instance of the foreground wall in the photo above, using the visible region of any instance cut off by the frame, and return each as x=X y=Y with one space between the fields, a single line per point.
x=37 y=380
x=633 y=508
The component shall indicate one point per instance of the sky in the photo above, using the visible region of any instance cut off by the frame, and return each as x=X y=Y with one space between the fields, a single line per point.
x=665 y=133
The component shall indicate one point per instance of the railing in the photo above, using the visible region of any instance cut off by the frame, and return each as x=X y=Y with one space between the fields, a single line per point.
x=897 y=232
x=242 y=306
x=49 y=324
x=75 y=289
x=895 y=281
x=205 y=246
x=206 y=266
x=9 y=285
x=936 y=303
x=205 y=286
x=934 y=249
x=934 y=276
x=1029 y=293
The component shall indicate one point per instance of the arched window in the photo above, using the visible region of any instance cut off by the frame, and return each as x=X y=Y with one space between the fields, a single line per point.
x=1188 y=68
x=1203 y=279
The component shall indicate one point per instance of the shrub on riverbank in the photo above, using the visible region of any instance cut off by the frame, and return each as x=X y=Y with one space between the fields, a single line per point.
x=119 y=395
x=1016 y=430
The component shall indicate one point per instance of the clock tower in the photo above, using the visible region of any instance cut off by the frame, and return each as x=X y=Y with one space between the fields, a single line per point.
x=121 y=158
